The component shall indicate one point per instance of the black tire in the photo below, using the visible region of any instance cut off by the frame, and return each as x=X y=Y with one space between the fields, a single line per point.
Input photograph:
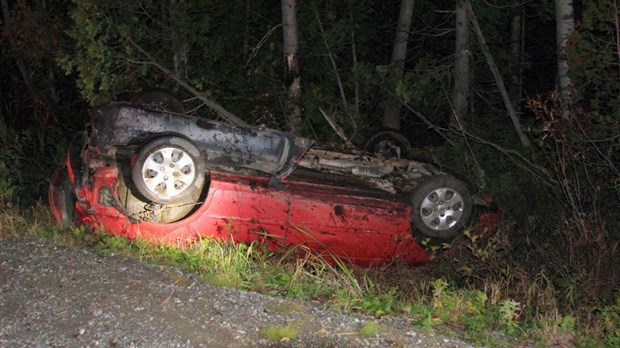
x=136 y=207
x=63 y=204
x=168 y=170
x=160 y=100
x=442 y=207
x=389 y=144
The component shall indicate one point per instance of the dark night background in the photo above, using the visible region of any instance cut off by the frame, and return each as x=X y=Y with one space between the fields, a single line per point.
x=559 y=197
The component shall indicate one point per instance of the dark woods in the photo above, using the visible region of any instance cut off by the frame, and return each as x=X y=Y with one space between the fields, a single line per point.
x=522 y=99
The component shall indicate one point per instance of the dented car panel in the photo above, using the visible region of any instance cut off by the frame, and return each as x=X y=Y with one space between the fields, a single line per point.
x=229 y=146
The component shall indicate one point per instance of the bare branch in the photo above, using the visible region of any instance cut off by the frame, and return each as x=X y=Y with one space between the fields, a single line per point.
x=331 y=59
x=335 y=127
x=261 y=43
x=535 y=171
x=498 y=78
x=220 y=110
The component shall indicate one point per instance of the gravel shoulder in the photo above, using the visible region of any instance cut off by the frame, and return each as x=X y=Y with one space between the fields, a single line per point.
x=51 y=296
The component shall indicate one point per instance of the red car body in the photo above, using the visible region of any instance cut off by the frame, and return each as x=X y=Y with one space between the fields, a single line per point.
x=326 y=220
x=327 y=215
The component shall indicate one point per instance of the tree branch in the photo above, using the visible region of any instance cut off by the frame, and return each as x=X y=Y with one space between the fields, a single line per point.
x=535 y=171
x=260 y=43
x=217 y=108
x=498 y=78
x=336 y=73
x=335 y=127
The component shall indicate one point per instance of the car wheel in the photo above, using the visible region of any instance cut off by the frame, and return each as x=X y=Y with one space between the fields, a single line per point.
x=168 y=170
x=62 y=198
x=160 y=100
x=138 y=209
x=388 y=144
x=442 y=207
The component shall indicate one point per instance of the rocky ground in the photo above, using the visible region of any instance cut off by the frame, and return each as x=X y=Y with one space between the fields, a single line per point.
x=51 y=296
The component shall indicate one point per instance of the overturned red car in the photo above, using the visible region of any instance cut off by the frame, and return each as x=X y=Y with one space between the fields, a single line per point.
x=173 y=178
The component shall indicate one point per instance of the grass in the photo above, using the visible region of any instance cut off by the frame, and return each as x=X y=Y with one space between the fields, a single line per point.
x=278 y=333
x=370 y=329
x=476 y=287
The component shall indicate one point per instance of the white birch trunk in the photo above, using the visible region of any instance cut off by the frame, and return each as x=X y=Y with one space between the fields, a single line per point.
x=461 y=92
x=565 y=24
x=292 y=79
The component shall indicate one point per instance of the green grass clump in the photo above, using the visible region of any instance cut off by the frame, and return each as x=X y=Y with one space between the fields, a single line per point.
x=370 y=329
x=278 y=333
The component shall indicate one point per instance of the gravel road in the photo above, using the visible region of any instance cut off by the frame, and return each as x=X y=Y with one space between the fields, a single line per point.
x=52 y=296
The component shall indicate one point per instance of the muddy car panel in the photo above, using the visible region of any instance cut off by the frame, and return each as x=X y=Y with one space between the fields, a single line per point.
x=263 y=149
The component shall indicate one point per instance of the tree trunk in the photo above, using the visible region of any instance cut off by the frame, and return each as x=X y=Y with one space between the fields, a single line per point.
x=391 y=116
x=356 y=91
x=291 y=66
x=245 y=49
x=565 y=24
x=180 y=47
x=461 y=92
x=516 y=47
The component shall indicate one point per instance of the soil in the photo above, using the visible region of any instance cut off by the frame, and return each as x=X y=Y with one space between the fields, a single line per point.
x=52 y=296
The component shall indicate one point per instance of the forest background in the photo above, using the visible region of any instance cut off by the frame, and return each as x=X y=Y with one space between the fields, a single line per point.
x=519 y=98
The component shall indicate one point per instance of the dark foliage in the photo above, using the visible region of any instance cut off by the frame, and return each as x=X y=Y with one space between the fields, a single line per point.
x=559 y=196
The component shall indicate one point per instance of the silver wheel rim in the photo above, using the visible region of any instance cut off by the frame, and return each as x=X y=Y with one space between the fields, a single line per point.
x=168 y=172
x=441 y=209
